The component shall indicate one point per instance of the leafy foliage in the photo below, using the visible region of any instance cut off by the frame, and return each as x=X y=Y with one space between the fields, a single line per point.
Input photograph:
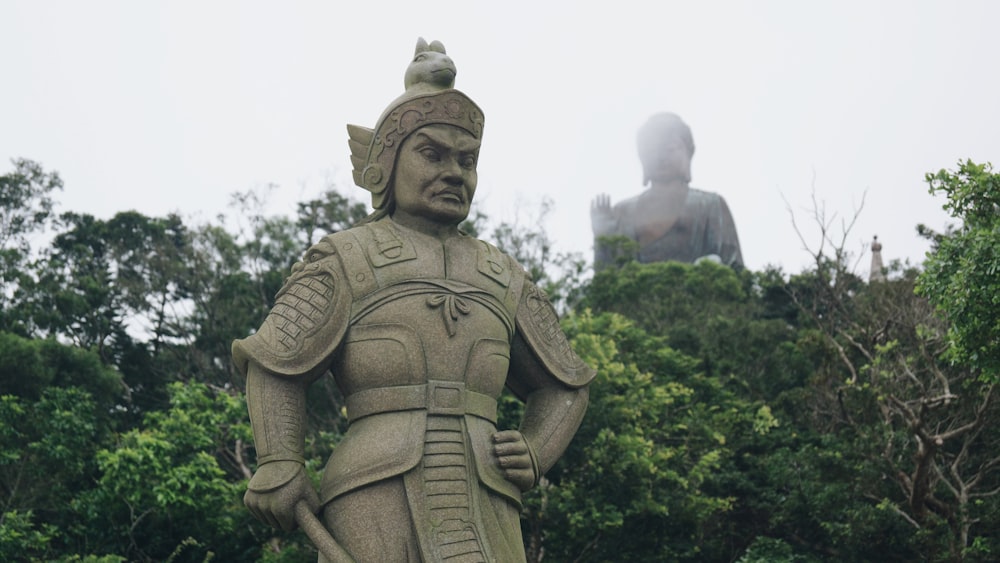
x=164 y=489
x=632 y=485
x=26 y=202
x=962 y=273
x=914 y=419
x=736 y=416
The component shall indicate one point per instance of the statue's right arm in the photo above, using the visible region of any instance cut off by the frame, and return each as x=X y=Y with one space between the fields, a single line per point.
x=292 y=348
x=606 y=221
x=277 y=407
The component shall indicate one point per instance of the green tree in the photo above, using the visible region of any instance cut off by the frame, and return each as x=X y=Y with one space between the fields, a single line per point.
x=962 y=272
x=741 y=326
x=55 y=414
x=25 y=209
x=173 y=488
x=225 y=304
x=741 y=331
x=329 y=213
x=21 y=538
x=914 y=421
x=58 y=432
x=637 y=482
x=117 y=287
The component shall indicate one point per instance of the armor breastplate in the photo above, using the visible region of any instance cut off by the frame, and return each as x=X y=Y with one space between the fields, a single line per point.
x=413 y=293
x=429 y=336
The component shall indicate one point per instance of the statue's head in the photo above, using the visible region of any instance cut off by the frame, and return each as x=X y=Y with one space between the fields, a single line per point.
x=665 y=149
x=453 y=122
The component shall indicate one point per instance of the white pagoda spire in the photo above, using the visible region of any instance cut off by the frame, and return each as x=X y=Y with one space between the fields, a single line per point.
x=877 y=272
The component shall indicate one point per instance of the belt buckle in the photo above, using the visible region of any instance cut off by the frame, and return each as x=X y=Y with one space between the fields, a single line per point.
x=446 y=397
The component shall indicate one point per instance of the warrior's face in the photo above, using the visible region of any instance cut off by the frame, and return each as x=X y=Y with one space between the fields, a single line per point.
x=435 y=176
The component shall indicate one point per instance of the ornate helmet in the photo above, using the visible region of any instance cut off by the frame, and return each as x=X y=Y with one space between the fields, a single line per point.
x=429 y=99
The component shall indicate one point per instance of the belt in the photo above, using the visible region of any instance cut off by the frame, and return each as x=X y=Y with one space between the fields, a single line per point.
x=436 y=397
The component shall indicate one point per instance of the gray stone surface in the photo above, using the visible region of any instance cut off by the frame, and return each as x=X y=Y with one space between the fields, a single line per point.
x=422 y=327
x=670 y=220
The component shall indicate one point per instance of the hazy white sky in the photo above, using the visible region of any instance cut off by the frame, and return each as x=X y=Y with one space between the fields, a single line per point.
x=173 y=106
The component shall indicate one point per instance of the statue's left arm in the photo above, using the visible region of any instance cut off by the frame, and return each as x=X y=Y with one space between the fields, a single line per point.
x=552 y=380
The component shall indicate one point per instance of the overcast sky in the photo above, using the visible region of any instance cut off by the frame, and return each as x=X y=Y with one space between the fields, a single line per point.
x=173 y=106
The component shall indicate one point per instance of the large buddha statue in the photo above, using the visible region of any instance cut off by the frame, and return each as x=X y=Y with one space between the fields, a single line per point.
x=670 y=220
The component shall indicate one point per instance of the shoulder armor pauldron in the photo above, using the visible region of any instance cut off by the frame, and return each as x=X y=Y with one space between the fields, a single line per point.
x=308 y=320
x=538 y=323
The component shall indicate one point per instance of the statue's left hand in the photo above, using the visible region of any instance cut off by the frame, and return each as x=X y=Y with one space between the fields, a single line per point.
x=514 y=457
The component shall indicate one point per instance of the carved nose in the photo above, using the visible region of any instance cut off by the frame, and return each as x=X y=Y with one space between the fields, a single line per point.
x=453 y=168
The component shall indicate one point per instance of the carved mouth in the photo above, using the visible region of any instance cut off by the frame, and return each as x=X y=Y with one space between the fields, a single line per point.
x=451 y=195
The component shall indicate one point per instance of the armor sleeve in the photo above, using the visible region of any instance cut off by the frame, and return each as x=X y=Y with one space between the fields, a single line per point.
x=277 y=408
x=307 y=323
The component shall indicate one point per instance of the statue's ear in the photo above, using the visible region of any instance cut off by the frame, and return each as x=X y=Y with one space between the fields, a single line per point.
x=421 y=46
x=437 y=46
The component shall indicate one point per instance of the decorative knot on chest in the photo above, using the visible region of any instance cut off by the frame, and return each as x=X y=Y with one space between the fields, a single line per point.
x=451 y=306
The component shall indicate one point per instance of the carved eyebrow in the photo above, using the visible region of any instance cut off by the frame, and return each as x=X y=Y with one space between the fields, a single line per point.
x=430 y=137
x=422 y=136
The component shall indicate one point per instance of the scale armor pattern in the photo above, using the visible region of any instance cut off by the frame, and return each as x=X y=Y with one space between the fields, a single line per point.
x=300 y=310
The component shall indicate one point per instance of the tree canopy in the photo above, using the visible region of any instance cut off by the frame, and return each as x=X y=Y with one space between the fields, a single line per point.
x=962 y=273
x=736 y=415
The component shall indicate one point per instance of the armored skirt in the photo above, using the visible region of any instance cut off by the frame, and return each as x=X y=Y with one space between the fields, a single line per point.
x=437 y=511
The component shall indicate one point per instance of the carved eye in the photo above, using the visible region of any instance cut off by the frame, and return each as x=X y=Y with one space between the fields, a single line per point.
x=468 y=162
x=430 y=154
x=419 y=57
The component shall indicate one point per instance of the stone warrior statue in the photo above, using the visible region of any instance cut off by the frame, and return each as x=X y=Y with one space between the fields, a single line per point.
x=421 y=326
x=670 y=220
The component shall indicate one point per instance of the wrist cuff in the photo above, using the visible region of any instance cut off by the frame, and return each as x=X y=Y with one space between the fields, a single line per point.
x=534 y=463
x=265 y=459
